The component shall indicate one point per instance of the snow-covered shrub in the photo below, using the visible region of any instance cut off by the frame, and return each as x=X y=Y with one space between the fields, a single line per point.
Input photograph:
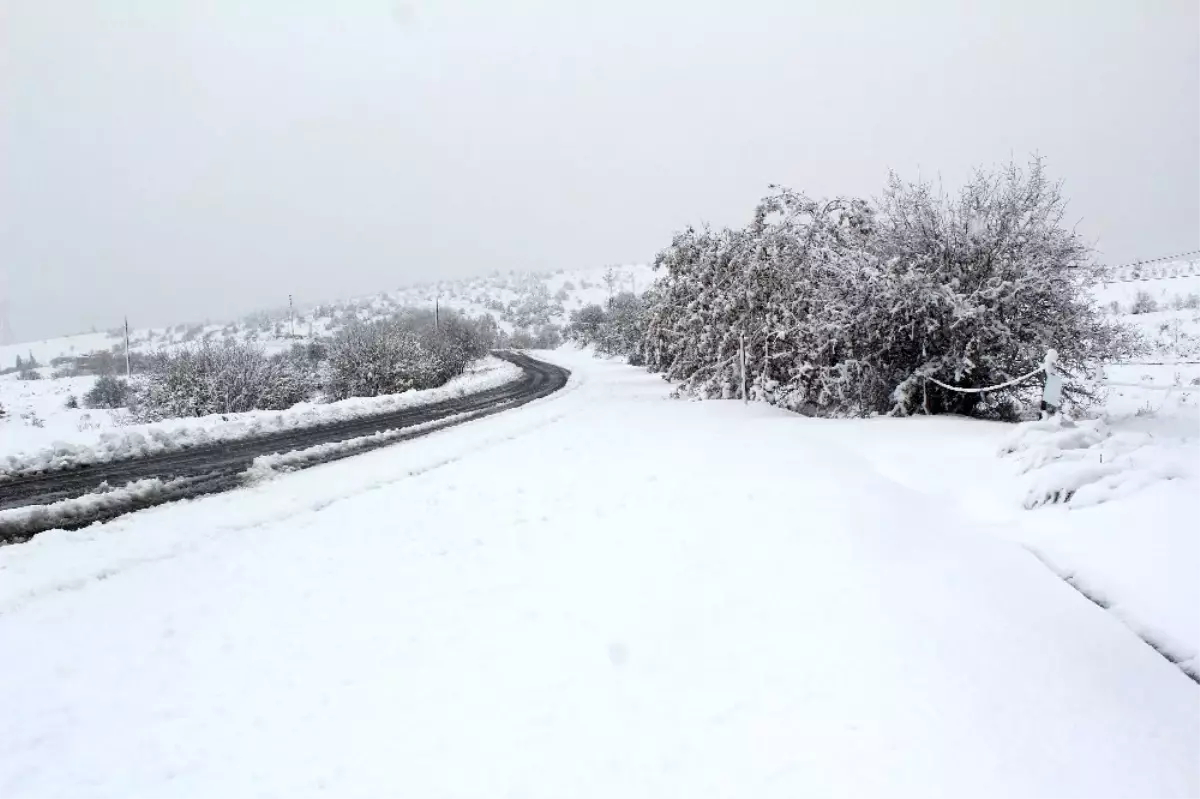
x=619 y=328
x=412 y=350
x=521 y=339
x=219 y=378
x=107 y=392
x=1081 y=463
x=624 y=328
x=547 y=337
x=585 y=324
x=72 y=402
x=846 y=306
x=367 y=359
x=1143 y=302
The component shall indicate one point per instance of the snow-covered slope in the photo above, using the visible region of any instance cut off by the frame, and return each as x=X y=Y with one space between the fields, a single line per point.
x=604 y=593
x=1163 y=301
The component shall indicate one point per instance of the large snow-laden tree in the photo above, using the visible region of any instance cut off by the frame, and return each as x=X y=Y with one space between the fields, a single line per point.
x=847 y=306
x=985 y=283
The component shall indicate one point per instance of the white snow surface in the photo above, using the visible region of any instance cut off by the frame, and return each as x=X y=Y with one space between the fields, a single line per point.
x=21 y=519
x=602 y=593
x=101 y=445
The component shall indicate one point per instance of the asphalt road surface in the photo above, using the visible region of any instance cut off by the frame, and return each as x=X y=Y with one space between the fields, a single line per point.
x=219 y=467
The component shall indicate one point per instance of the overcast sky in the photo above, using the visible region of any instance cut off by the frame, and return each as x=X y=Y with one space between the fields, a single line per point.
x=179 y=160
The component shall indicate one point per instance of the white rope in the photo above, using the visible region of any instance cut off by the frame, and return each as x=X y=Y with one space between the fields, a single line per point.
x=1012 y=382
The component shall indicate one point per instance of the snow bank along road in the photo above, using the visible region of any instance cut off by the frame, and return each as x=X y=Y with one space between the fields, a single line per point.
x=216 y=467
x=602 y=593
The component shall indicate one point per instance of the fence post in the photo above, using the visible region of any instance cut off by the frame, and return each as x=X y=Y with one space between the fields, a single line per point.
x=1052 y=392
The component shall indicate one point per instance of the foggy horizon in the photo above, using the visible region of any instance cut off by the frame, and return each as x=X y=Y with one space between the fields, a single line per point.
x=176 y=163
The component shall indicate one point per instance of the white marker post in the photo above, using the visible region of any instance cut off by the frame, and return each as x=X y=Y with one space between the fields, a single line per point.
x=1052 y=393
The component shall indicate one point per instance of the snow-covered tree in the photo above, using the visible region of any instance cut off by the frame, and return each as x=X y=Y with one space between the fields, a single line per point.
x=585 y=324
x=846 y=306
x=982 y=286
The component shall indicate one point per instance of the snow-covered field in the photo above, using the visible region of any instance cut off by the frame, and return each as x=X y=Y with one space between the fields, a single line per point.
x=112 y=437
x=611 y=593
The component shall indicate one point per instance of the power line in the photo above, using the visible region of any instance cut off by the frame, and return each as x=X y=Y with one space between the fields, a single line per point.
x=1175 y=257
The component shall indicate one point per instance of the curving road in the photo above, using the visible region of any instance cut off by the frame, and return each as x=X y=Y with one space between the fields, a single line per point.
x=218 y=467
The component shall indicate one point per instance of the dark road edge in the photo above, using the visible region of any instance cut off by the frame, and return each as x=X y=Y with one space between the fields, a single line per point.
x=221 y=467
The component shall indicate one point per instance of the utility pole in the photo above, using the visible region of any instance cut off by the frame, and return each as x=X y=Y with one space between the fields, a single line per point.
x=128 y=370
x=437 y=314
x=291 y=318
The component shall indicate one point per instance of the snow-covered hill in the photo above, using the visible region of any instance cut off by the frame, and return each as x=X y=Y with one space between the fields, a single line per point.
x=36 y=412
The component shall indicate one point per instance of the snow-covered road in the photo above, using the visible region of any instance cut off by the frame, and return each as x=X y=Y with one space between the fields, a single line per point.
x=604 y=593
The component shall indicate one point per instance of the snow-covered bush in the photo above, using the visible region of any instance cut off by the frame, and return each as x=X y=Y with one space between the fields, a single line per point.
x=846 y=306
x=412 y=350
x=1144 y=302
x=367 y=359
x=585 y=324
x=624 y=327
x=219 y=378
x=548 y=337
x=618 y=328
x=521 y=339
x=107 y=392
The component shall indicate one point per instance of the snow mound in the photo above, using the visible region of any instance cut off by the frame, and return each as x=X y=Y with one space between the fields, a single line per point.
x=181 y=434
x=15 y=523
x=267 y=467
x=1082 y=463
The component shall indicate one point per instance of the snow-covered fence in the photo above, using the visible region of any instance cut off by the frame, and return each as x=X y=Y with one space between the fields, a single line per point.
x=1149 y=387
x=1052 y=392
